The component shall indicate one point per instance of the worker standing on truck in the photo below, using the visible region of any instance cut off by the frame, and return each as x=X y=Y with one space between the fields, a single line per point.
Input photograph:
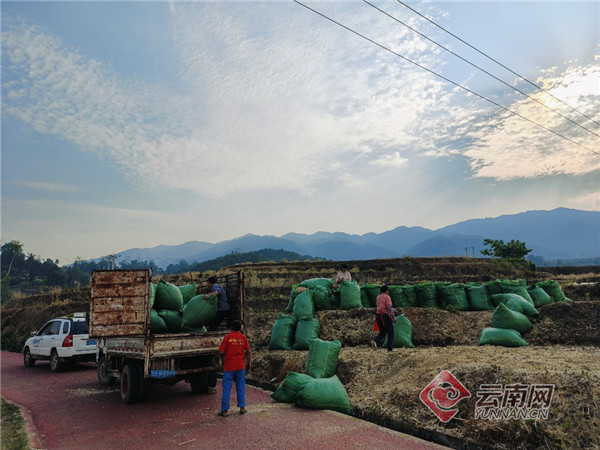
x=222 y=303
x=235 y=351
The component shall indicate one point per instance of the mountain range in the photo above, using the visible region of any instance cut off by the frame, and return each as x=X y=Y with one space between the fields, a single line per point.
x=561 y=233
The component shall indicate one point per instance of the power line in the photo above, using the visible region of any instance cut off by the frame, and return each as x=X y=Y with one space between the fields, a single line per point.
x=445 y=78
x=497 y=62
x=479 y=68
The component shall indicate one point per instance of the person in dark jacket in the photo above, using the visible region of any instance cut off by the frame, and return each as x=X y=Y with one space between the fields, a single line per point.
x=223 y=307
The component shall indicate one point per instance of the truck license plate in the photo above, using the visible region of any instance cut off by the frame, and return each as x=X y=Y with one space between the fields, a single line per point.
x=91 y=342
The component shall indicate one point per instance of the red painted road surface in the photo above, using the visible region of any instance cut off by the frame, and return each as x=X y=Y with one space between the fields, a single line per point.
x=71 y=410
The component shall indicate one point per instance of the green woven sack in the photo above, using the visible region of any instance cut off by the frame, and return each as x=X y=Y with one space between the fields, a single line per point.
x=372 y=291
x=307 y=328
x=283 y=332
x=322 y=358
x=402 y=333
x=506 y=318
x=320 y=297
x=188 y=291
x=409 y=294
x=303 y=305
x=314 y=282
x=168 y=296
x=199 y=311
x=172 y=320
x=426 y=295
x=479 y=298
x=287 y=391
x=296 y=290
x=516 y=303
x=503 y=337
x=453 y=296
x=335 y=298
x=540 y=297
x=364 y=298
x=152 y=294
x=516 y=287
x=157 y=324
x=349 y=295
x=494 y=287
x=324 y=393
x=554 y=290
x=397 y=295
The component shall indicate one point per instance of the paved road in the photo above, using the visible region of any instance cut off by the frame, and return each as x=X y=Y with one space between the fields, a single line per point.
x=71 y=410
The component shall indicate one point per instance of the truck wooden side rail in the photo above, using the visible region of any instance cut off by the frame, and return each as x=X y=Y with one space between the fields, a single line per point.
x=120 y=321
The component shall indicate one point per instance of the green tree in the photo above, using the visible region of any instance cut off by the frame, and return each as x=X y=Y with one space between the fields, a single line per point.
x=498 y=249
x=12 y=249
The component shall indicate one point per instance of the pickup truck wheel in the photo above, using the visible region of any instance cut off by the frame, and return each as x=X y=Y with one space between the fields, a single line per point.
x=28 y=360
x=103 y=377
x=130 y=384
x=55 y=364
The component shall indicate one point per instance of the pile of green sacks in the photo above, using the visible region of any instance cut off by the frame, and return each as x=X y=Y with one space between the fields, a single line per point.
x=441 y=295
x=177 y=309
x=510 y=320
x=319 y=387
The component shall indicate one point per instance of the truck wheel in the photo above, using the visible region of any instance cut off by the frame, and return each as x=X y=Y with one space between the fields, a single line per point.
x=55 y=364
x=28 y=360
x=130 y=384
x=103 y=377
x=199 y=382
x=144 y=384
x=203 y=382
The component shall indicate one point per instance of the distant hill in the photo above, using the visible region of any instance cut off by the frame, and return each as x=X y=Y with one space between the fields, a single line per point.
x=558 y=234
x=267 y=254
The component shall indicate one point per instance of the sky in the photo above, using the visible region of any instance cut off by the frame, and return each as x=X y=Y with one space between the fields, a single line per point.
x=135 y=124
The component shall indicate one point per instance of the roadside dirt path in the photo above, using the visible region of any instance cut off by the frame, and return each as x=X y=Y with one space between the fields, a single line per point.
x=71 y=410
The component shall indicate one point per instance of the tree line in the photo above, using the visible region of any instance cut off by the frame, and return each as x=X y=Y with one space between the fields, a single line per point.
x=28 y=272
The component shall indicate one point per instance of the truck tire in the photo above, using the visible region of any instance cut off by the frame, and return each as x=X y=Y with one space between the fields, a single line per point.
x=130 y=383
x=55 y=364
x=103 y=377
x=28 y=360
x=199 y=382
x=204 y=382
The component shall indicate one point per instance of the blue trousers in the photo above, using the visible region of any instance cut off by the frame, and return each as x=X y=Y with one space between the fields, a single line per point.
x=239 y=376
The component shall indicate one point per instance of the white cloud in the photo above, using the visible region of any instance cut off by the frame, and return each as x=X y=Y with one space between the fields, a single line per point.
x=46 y=186
x=263 y=103
x=588 y=201
x=508 y=147
x=391 y=160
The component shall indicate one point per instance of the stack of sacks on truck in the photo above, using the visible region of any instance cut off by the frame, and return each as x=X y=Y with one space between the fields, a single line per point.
x=178 y=309
x=319 y=387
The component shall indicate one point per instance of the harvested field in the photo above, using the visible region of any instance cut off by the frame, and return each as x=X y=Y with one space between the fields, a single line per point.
x=384 y=387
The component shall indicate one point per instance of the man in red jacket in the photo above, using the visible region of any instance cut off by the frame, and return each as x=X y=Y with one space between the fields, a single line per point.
x=235 y=350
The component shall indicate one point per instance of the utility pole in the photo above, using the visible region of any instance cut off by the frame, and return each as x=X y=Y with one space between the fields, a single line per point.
x=466 y=251
x=111 y=261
